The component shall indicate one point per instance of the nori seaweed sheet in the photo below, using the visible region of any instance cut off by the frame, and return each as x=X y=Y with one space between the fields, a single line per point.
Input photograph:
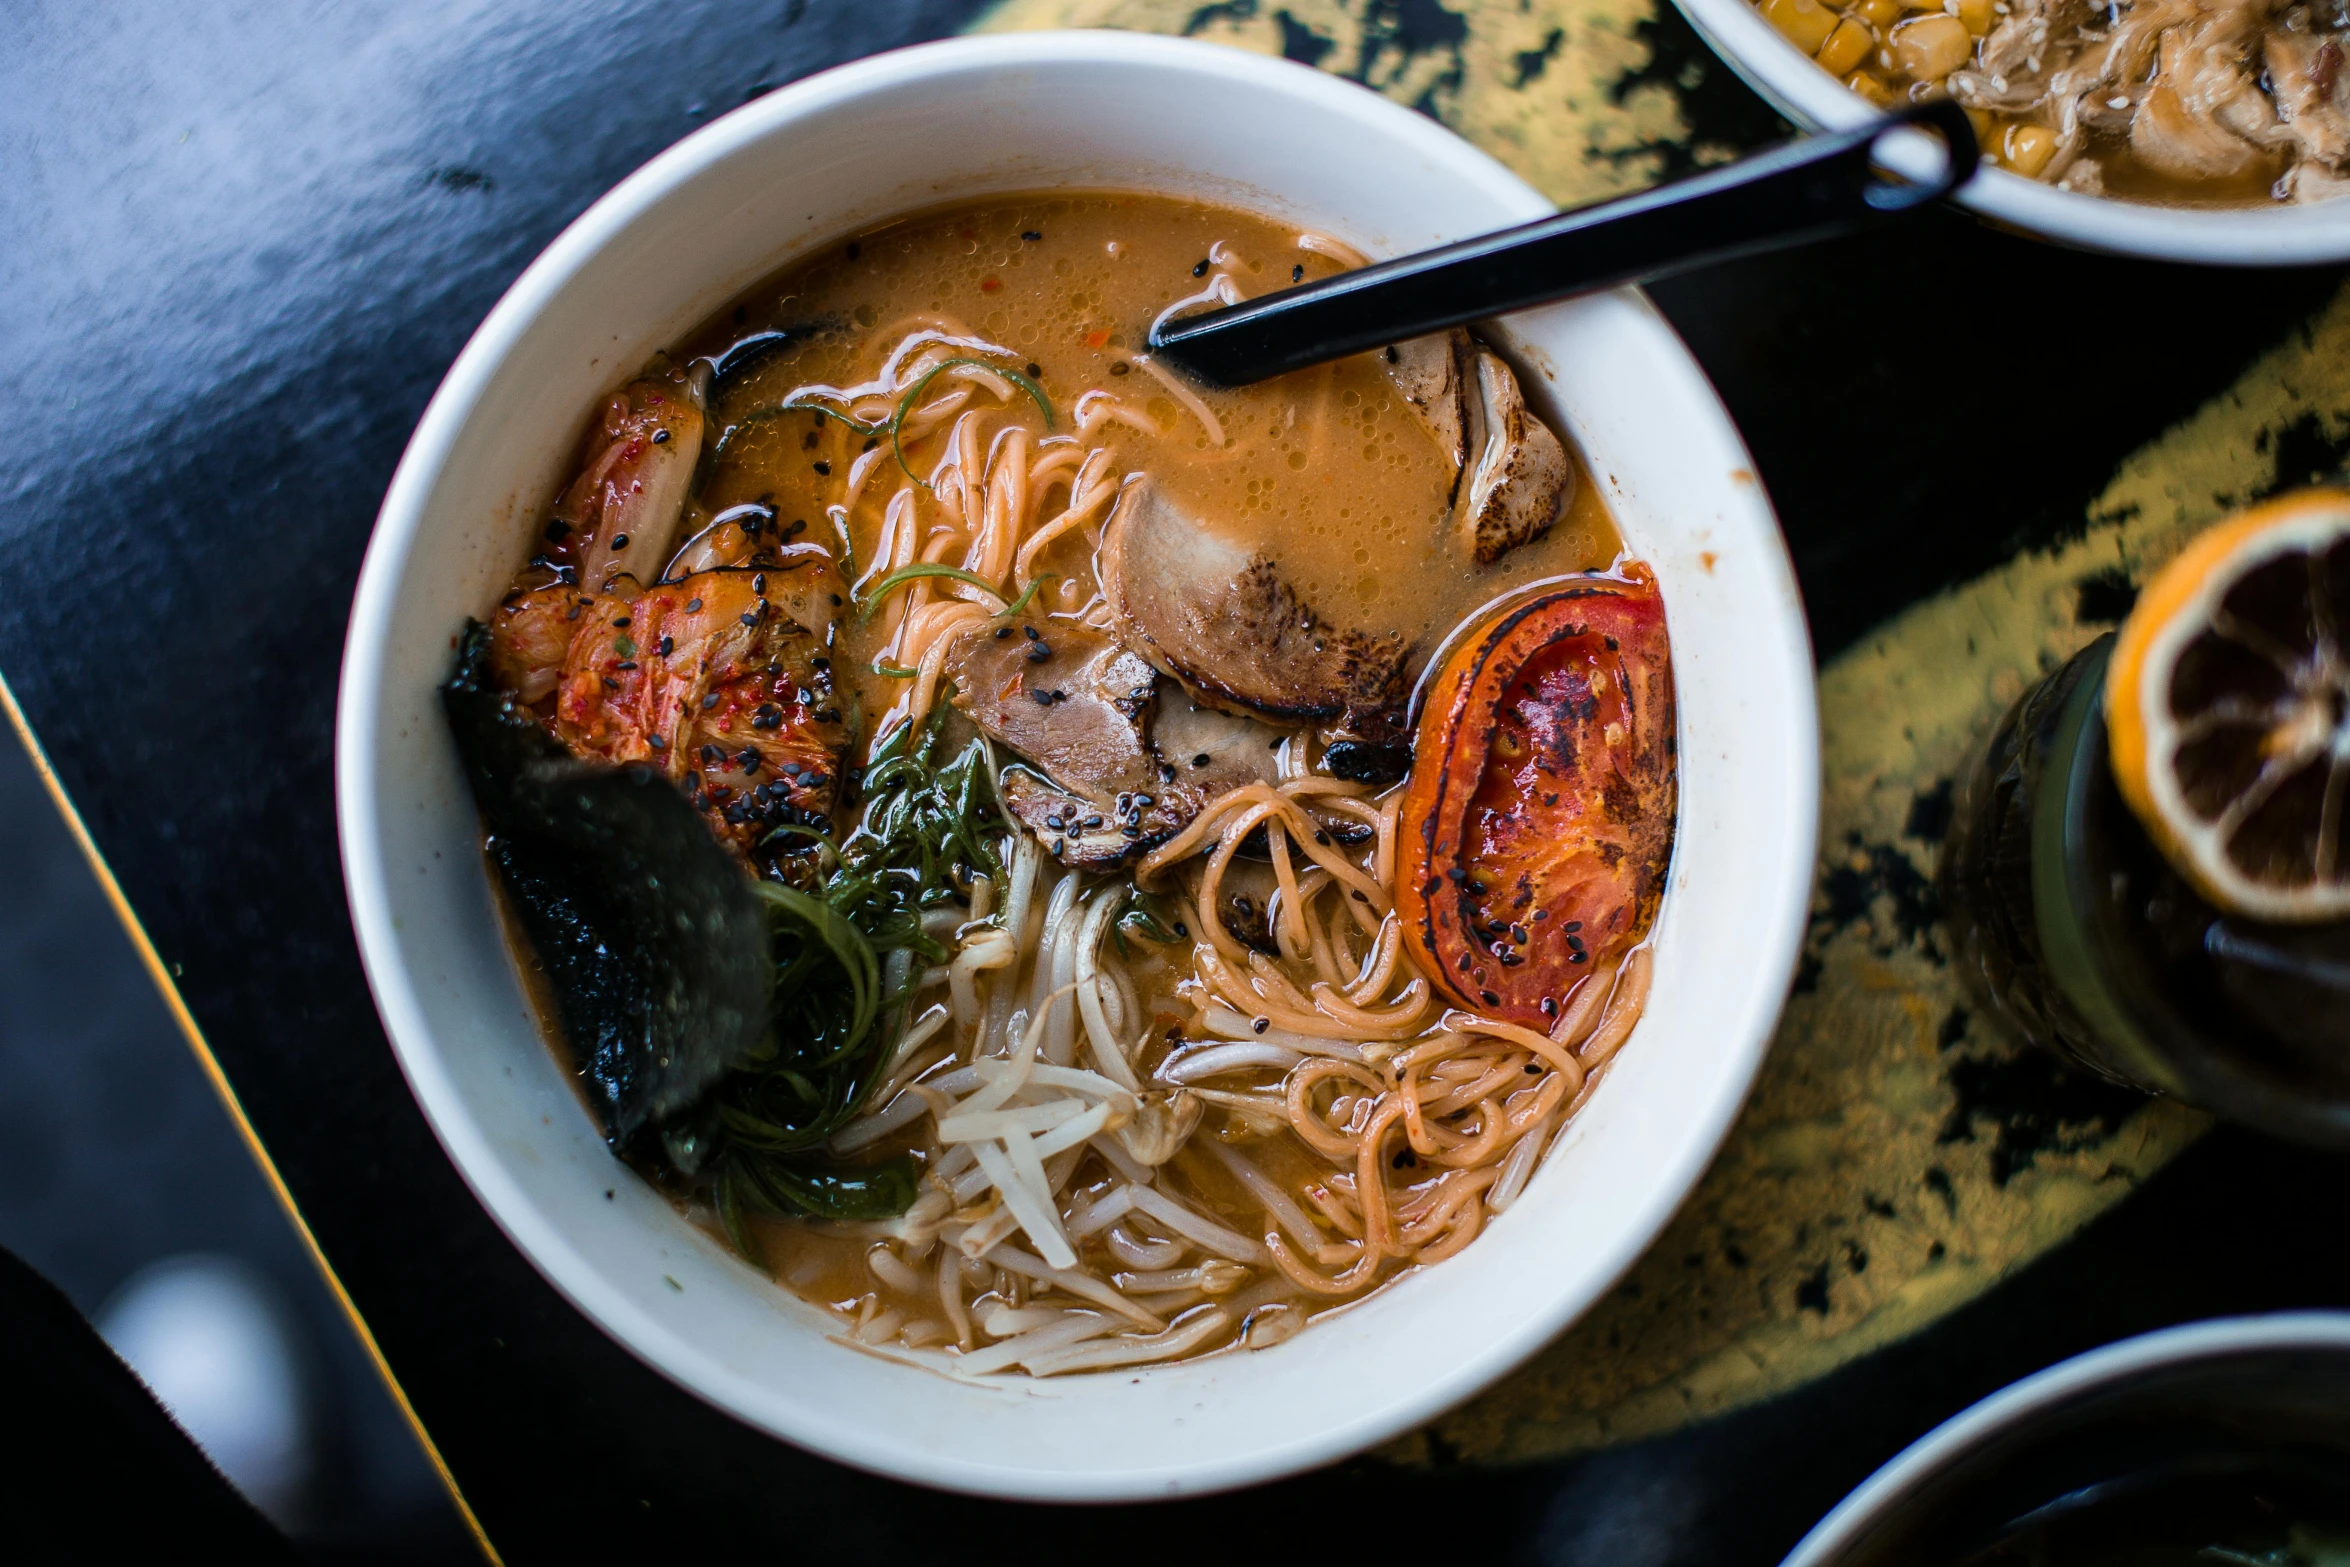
x=652 y=938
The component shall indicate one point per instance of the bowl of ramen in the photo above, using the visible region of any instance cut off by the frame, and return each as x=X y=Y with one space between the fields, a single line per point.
x=2225 y=1441
x=1021 y=922
x=2214 y=131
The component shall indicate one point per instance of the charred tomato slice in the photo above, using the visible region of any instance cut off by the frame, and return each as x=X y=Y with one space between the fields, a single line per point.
x=1538 y=822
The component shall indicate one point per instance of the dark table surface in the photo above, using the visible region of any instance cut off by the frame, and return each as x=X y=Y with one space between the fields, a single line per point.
x=244 y=240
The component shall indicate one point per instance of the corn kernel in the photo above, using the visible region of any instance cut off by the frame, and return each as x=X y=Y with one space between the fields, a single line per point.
x=1879 y=14
x=1986 y=129
x=1976 y=14
x=1804 y=23
x=2027 y=148
x=1846 y=47
x=1931 y=47
x=1874 y=88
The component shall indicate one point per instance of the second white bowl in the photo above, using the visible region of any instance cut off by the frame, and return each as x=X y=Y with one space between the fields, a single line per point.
x=2271 y=236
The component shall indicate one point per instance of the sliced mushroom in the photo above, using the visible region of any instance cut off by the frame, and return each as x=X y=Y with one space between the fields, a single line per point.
x=1085 y=832
x=1229 y=627
x=1209 y=751
x=1427 y=370
x=1073 y=704
x=1522 y=479
x=1068 y=699
x=630 y=494
x=1511 y=477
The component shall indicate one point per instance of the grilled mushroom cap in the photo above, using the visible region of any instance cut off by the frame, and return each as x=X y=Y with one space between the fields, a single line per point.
x=1511 y=477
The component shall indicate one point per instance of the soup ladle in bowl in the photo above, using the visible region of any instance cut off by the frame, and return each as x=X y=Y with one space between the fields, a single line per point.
x=1804 y=190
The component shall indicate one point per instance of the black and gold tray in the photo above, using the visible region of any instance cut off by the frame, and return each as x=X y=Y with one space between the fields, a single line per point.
x=247 y=285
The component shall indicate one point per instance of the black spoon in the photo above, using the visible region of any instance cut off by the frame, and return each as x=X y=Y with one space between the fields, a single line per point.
x=1805 y=190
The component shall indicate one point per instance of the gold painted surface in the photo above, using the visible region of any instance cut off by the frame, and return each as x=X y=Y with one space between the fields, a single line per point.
x=1543 y=85
x=161 y=975
x=1898 y=1158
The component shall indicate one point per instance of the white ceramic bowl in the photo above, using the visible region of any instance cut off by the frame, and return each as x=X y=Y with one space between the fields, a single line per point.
x=2271 y=236
x=803 y=167
x=2283 y=1376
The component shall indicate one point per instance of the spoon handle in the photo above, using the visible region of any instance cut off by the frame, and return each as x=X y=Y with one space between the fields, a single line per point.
x=1804 y=190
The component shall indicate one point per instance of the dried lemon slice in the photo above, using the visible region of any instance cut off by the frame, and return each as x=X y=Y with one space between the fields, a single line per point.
x=2228 y=708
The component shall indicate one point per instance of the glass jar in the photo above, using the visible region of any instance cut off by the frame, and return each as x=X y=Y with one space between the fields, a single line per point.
x=2070 y=927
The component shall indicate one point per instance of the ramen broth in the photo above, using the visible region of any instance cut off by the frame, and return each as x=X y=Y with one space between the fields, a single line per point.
x=1030 y=396
x=1328 y=470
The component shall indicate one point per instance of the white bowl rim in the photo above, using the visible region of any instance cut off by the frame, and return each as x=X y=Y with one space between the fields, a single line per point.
x=360 y=703
x=2274 y=236
x=2215 y=1339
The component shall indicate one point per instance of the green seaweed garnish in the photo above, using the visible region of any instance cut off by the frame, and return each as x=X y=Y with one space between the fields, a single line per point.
x=915 y=573
x=925 y=834
x=897 y=421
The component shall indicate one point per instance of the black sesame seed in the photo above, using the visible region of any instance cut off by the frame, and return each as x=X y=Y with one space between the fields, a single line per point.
x=1489 y=998
x=656 y=742
x=1455 y=873
x=1201 y=270
x=1038 y=653
x=1201 y=760
x=626 y=663
x=709 y=700
x=1058 y=845
x=620 y=541
x=1030 y=235
x=660 y=437
x=1035 y=372
x=668 y=646
x=1260 y=1024
x=611 y=684
x=1002 y=632
x=1121 y=368
x=693 y=606
x=1550 y=1008
x=1090 y=823
x=1573 y=925
x=1578 y=957
x=759 y=584
x=823 y=469
x=1042 y=698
